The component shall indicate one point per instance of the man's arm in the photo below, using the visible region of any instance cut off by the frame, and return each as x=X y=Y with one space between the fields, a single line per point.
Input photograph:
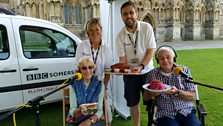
x=186 y=95
x=148 y=56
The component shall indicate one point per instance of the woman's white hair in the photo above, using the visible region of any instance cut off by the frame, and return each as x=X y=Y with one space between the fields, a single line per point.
x=84 y=60
x=170 y=50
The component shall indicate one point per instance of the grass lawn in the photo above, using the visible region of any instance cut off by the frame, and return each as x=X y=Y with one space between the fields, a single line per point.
x=206 y=67
x=50 y=115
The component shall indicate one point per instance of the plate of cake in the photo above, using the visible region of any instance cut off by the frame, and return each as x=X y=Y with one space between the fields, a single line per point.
x=156 y=86
x=90 y=107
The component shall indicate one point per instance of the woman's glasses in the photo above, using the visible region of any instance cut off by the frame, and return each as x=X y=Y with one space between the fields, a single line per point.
x=85 y=67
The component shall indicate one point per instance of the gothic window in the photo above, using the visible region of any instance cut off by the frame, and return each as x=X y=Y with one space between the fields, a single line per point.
x=91 y=10
x=182 y=15
x=27 y=10
x=41 y=11
x=156 y=11
x=52 y=10
x=78 y=13
x=67 y=12
x=34 y=8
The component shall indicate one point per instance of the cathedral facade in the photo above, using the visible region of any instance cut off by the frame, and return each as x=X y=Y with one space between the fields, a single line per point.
x=172 y=20
x=181 y=19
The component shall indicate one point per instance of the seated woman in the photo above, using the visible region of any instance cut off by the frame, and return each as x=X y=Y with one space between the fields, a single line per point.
x=87 y=90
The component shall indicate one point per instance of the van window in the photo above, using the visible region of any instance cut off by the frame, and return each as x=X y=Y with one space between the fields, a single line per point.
x=46 y=43
x=4 y=45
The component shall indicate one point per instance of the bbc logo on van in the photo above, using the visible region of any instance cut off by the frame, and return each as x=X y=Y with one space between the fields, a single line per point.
x=40 y=76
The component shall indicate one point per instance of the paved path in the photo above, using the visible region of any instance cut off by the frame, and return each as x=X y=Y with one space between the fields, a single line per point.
x=186 y=45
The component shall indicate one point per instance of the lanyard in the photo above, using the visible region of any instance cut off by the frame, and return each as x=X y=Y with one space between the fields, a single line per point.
x=95 y=58
x=134 y=44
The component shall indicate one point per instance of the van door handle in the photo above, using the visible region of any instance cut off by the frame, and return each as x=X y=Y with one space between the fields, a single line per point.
x=30 y=69
x=7 y=71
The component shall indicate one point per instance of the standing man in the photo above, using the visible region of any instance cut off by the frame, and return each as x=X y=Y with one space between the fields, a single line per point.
x=135 y=46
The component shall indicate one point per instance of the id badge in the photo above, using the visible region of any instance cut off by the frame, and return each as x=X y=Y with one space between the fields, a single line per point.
x=135 y=60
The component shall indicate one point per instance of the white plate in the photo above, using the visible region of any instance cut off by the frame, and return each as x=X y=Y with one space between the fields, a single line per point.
x=168 y=87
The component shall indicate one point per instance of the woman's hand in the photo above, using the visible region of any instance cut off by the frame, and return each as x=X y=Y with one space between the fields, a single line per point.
x=89 y=121
x=83 y=110
x=77 y=113
x=86 y=122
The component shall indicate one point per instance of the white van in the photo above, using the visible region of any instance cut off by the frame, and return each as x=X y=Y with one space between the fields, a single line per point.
x=35 y=55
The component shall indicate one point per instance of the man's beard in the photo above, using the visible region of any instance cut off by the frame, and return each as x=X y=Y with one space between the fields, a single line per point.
x=130 y=25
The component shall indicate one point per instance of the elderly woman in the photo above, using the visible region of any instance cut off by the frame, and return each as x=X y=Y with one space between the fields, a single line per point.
x=98 y=50
x=87 y=90
x=175 y=107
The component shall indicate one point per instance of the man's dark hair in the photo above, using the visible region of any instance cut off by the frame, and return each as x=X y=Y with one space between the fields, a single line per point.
x=128 y=3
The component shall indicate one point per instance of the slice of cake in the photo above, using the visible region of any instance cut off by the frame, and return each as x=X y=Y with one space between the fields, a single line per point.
x=156 y=85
